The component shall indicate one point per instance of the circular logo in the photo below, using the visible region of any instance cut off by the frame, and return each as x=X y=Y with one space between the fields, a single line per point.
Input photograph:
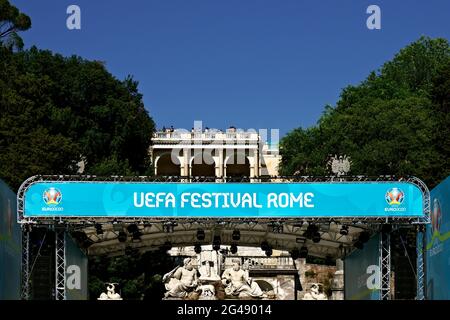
x=436 y=216
x=394 y=196
x=52 y=196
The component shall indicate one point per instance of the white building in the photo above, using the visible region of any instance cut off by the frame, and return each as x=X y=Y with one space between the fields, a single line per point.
x=215 y=153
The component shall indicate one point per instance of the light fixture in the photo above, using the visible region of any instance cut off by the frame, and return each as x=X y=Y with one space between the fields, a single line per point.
x=122 y=237
x=233 y=248
x=303 y=252
x=98 y=229
x=200 y=235
x=264 y=245
x=236 y=236
x=295 y=253
x=344 y=230
x=197 y=248
x=269 y=252
x=316 y=237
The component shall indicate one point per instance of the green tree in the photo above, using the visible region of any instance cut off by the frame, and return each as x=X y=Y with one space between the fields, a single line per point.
x=56 y=111
x=395 y=122
x=11 y=22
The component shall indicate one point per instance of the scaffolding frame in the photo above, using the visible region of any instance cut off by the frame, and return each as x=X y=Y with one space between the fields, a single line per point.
x=60 y=224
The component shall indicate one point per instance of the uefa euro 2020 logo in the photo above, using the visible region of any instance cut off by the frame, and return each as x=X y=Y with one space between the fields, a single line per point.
x=52 y=196
x=394 y=196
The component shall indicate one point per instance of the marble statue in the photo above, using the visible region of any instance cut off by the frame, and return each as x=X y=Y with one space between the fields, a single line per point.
x=181 y=281
x=238 y=283
x=111 y=293
x=314 y=293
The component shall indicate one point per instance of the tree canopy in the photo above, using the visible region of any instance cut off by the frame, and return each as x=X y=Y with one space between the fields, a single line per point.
x=12 y=21
x=57 y=111
x=395 y=122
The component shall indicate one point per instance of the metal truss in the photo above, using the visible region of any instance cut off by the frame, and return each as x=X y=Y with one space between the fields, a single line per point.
x=421 y=294
x=26 y=272
x=385 y=265
x=60 y=263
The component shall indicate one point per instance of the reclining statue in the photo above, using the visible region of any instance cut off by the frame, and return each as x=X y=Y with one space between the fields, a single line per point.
x=238 y=283
x=181 y=281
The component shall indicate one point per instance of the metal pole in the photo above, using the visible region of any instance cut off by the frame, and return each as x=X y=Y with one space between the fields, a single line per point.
x=60 y=264
x=385 y=265
x=421 y=256
x=25 y=262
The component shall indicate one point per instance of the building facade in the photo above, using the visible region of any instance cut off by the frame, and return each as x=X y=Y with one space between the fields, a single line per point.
x=217 y=154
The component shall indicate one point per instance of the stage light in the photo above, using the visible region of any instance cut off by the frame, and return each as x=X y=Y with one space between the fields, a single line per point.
x=344 y=230
x=122 y=237
x=197 y=248
x=216 y=243
x=311 y=230
x=316 y=237
x=364 y=236
x=303 y=252
x=264 y=245
x=98 y=229
x=136 y=236
x=200 y=235
x=233 y=248
x=269 y=252
x=236 y=236
x=358 y=245
x=295 y=253
x=132 y=228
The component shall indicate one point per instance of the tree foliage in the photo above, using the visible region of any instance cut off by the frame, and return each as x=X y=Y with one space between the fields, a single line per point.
x=56 y=111
x=394 y=122
x=11 y=22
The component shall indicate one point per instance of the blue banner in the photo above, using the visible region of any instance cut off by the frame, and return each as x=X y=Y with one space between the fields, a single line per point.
x=10 y=246
x=437 y=255
x=235 y=200
x=362 y=272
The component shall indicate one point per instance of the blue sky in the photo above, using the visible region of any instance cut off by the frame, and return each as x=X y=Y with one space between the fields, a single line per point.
x=248 y=63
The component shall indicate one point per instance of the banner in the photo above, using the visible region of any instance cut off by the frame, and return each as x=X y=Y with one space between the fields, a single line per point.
x=76 y=271
x=437 y=256
x=362 y=272
x=235 y=200
x=10 y=246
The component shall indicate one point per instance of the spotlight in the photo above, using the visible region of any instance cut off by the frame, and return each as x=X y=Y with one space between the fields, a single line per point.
x=233 y=248
x=98 y=229
x=236 y=236
x=216 y=243
x=358 y=245
x=269 y=252
x=344 y=230
x=132 y=228
x=122 y=237
x=364 y=237
x=311 y=230
x=303 y=252
x=197 y=248
x=200 y=235
x=295 y=254
x=316 y=237
x=264 y=245
x=136 y=236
